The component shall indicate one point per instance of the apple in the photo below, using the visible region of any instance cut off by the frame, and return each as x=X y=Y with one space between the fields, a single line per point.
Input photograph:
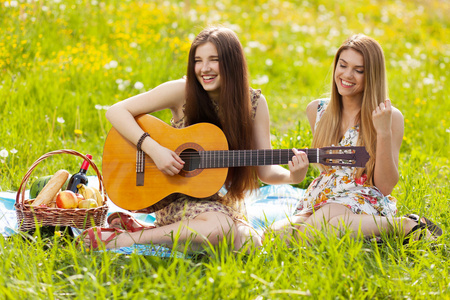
x=66 y=199
x=88 y=203
x=79 y=197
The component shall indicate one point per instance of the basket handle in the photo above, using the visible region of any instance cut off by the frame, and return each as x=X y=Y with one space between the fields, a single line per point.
x=22 y=187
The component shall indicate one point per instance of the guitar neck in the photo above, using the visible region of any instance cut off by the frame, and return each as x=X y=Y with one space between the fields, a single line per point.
x=244 y=158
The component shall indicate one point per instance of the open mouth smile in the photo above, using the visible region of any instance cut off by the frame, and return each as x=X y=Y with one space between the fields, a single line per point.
x=208 y=78
x=345 y=83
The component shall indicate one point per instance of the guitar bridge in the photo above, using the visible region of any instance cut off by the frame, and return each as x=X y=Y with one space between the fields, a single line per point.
x=140 y=167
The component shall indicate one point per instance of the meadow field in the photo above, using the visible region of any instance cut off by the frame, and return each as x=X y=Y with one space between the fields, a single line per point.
x=63 y=63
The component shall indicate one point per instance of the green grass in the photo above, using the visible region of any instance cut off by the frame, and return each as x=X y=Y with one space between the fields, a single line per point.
x=68 y=60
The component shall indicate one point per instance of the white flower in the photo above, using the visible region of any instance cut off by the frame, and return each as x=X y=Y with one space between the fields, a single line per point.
x=13 y=150
x=60 y=120
x=139 y=85
x=269 y=62
x=98 y=107
x=4 y=153
x=428 y=81
x=113 y=64
x=128 y=69
x=296 y=28
x=254 y=44
x=259 y=80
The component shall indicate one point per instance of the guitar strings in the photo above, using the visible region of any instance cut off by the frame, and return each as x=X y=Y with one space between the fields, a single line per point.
x=249 y=156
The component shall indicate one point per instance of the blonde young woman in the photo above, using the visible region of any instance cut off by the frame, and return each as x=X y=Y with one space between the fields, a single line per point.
x=357 y=113
x=216 y=90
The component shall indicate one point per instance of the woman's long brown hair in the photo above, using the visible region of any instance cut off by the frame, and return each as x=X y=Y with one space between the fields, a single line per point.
x=327 y=132
x=234 y=116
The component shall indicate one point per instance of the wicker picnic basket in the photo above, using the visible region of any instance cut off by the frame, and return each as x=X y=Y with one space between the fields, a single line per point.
x=28 y=216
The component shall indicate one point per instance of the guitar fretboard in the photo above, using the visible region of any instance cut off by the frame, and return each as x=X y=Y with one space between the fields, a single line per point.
x=243 y=158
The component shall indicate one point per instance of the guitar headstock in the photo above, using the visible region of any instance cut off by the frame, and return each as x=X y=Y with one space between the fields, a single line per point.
x=350 y=156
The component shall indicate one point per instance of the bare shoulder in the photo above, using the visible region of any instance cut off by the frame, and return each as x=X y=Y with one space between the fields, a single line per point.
x=311 y=112
x=311 y=108
x=262 y=100
x=262 y=110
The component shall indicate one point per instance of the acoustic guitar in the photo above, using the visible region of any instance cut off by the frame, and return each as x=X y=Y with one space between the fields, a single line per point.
x=133 y=181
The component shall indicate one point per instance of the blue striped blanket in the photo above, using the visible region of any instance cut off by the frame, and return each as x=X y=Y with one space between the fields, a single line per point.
x=266 y=205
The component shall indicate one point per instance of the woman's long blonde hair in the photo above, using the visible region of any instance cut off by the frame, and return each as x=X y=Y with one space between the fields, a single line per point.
x=327 y=132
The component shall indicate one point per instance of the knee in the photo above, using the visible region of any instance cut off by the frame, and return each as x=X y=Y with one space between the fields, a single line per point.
x=338 y=223
x=335 y=221
x=220 y=227
x=246 y=237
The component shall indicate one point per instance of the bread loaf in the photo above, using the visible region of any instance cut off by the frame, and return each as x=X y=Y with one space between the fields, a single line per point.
x=51 y=188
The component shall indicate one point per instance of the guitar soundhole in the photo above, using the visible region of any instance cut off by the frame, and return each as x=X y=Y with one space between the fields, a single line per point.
x=191 y=159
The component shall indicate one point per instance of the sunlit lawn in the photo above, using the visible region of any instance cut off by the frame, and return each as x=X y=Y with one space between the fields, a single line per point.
x=62 y=63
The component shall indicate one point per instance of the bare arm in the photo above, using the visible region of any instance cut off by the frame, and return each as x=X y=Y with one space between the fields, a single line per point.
x=298 y=165
x=388 y=122
x=169 y=95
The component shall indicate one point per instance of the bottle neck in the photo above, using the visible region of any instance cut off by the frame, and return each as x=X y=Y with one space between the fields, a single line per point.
x=84 y=167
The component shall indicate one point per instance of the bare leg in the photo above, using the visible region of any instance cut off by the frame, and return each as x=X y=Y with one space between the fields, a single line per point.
x=206 y=228
x=305 y=225
x=319 y=220
x=339 y=217
x=285 y=228
x=372 y=225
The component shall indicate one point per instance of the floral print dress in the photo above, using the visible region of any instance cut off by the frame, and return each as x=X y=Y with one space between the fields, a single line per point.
x=339 y=185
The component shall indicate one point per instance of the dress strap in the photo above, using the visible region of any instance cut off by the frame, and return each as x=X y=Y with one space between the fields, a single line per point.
x=254 y=97
x=323 y=103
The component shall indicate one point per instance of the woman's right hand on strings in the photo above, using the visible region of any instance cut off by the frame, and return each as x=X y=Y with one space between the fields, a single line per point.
x=167 y=161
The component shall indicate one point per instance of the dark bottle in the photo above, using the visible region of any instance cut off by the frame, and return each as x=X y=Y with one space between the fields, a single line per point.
x=79 y=177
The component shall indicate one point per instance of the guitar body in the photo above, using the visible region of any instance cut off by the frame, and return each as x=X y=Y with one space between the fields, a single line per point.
x=119 y=165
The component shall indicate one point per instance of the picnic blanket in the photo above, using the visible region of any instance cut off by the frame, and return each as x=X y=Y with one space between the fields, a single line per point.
x=264 y=206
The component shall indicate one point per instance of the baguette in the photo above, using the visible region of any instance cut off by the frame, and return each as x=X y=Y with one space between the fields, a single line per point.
x=51 y=188
x=52 y=203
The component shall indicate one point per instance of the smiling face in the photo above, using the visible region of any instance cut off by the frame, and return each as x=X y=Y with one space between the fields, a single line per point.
x=349 y=74
x=207 y=68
